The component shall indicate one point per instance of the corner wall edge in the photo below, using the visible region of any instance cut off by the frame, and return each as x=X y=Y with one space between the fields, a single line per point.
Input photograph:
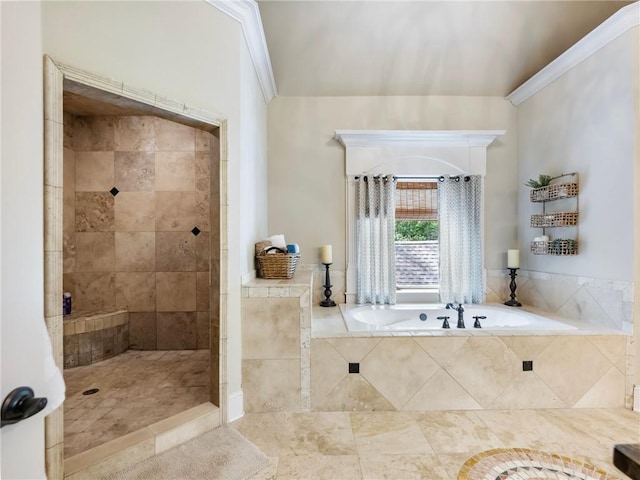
x=621 y=21
x=247 y=13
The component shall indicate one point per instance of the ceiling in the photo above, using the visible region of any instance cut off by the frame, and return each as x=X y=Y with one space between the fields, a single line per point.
x=83 y=100
x=336 y=48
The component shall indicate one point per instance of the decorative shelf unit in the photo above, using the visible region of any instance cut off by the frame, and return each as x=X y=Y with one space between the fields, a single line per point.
x=560 y=219
x=554 y=192
x=544 y=220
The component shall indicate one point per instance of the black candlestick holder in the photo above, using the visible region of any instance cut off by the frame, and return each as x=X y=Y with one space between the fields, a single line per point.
x=513 y=302
x=327 y=302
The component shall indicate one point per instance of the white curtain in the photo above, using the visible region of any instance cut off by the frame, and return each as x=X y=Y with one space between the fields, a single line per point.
x=376 y=246
x=459 y=204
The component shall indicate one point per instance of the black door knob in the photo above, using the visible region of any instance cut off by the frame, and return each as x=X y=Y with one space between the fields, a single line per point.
x=21 y=403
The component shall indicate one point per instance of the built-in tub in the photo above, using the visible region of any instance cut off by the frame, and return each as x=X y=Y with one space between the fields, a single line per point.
x=524 y=361
x=370 y=318
x=90 y=337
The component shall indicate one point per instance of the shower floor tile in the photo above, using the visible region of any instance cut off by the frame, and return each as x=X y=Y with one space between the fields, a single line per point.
x=136 y=389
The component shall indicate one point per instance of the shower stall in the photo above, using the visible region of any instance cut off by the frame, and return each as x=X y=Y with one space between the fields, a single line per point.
x=141 y=243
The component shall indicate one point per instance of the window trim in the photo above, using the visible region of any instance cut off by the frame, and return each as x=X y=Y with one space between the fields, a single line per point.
x=403 y=153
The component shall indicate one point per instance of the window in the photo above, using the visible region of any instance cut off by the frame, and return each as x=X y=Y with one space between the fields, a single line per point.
x=411 y=153
x=416 y=235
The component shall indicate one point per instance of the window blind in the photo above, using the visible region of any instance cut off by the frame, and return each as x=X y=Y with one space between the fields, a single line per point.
x=416 y=200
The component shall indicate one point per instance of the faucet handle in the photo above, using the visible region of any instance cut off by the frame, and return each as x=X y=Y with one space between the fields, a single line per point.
x=445 y=323
x=476 y=324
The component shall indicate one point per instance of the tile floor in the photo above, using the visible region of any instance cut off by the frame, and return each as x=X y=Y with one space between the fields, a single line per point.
x=136 y=389
x=427 y=446
x=140 y=388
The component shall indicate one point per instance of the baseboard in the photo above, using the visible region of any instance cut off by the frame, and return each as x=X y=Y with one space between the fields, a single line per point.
x=235 y=406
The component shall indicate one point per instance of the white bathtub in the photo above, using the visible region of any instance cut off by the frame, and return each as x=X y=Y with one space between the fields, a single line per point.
x=367 y=318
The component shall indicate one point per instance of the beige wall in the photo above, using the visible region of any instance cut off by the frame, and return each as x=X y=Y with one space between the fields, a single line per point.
x=247 y=198
x=307 y=172
x=582 y=122
x=253 y=174
x=192 y=53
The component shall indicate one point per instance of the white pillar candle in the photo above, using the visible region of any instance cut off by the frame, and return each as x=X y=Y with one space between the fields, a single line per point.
x=513 y=259
x=326 y=254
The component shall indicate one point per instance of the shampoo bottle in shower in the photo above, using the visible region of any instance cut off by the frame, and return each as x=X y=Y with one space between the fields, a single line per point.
x=66 y=303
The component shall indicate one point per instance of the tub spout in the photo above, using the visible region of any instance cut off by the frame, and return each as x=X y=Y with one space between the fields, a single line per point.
x=460 y=310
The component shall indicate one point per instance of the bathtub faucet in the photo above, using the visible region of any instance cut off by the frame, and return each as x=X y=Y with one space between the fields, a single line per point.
x=460 y=310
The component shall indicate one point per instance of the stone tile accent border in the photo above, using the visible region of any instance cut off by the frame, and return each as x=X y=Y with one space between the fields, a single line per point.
x=523 y=463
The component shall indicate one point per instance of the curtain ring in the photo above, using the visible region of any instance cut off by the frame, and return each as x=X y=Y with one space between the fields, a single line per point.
x=467 y=178
x=441 y=178
x=457 y=178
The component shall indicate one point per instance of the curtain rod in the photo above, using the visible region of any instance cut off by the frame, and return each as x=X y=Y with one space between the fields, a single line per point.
x=440 y=178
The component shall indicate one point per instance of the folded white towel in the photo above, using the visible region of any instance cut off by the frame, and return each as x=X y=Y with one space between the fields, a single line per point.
x=54 y=381
x=278 y=241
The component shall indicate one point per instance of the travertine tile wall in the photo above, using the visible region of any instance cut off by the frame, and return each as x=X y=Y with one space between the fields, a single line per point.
x=276 y=344
x=137 y=215
x=336 y=276
x=53 y=189
x=467 y=372
x=608 y=303
x=94 y=338
x=601 y=302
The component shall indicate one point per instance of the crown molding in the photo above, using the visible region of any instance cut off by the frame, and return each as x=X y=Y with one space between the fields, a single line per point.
x=621 y=21
x=248 y=14
x=439 y=138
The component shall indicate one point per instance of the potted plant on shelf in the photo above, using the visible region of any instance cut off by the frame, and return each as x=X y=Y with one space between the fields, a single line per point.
x=543 y=181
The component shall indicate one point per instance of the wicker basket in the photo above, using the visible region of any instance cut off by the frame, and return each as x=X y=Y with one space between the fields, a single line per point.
x=277 y=265
x=561 y=219
x=563 y=247
x=554 y=192
x=555 y=247
x=539 y=248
